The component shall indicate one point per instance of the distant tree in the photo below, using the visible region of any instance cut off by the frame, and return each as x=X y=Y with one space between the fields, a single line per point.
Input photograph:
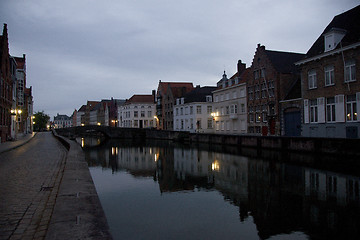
x=40 y=121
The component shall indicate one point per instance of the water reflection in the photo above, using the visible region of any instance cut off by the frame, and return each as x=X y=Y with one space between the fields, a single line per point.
x=280 y=200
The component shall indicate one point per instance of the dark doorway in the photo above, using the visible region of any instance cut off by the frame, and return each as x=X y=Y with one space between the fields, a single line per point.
x=292 y=123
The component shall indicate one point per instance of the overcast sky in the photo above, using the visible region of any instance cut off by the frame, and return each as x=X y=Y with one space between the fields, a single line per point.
x=79 y=50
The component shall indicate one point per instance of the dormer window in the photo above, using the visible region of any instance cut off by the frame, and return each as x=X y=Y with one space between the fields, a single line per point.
x=182 y=100
x=208 y=98
x=333 y=38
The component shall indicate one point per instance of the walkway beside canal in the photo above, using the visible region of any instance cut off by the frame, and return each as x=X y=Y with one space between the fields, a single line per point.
x=46 y=192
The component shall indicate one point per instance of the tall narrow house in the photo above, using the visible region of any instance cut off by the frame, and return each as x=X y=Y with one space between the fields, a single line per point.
x=5 y=87
x=273 y=76
x=330 y=77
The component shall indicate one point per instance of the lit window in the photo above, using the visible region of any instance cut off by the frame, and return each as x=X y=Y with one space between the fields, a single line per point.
x=351 y=112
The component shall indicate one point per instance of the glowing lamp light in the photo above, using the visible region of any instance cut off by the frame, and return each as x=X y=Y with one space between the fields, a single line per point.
x=215 y=166
x=98 y=124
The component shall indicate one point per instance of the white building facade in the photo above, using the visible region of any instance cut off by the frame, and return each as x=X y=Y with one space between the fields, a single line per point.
x=193 y=112
x=230 y=114
x=138 y=112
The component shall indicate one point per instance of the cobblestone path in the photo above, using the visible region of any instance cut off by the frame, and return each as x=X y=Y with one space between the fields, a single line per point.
x=29 y=181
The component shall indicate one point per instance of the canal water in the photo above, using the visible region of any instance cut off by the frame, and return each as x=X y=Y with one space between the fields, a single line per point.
x=162 y=190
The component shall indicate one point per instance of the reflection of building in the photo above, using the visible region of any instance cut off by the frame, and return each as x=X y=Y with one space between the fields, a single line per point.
x=192 y=112
x=138 y=112
x=139 y=161
x=330 y=80
x=230 y=103
x=330 y=201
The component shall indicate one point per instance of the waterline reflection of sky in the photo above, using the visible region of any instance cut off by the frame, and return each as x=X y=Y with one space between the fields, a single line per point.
x=136 y=209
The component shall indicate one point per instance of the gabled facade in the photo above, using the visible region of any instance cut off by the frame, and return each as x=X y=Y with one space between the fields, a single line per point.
x=330 y=78
x=167 y=92
x=138 y=112
x=229 y=107
x=6 y=86
x=80 y=116
x=273 y=74
x=62 y=121
x=192 y=112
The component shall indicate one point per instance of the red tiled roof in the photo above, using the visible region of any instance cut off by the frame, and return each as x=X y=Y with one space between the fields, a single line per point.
x=163 y=86
x=141 y=99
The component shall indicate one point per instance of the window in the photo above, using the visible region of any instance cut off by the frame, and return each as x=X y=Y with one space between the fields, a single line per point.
x=210 y=123
x=271 y=89
x=312 y=79
x=250 y=93
x=191 y=109
x=330 y=109
x=177 y=111
x=313 y=111
x=350 y=71
x=208 y=98
x=209 y=109
x=233 y=109
x=149 y=114
x=142 y=113
x=181 y=111
x=227 y=110
x=263 y=90
x=329 y=75
x=198 y=109
x=242 y=108
x=135 y=113
x=257 y=91
x=234 y=94
x=136 y=123
x=351 y=112
x=182 y=124
x=216 y=98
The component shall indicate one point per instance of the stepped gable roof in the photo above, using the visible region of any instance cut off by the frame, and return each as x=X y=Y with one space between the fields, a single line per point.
x=28 y=91
x=348 y=21
x=140 y=99
x=199 y=94
x=283 y=62
x=163 y=86
x=20 y=62
x=82 y=108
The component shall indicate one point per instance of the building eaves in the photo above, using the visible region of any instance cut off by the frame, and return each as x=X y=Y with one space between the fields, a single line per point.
x=283 y=62
x=199 y=94
x=348 y=21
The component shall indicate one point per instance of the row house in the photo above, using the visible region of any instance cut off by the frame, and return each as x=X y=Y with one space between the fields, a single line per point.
x=80 y=116
x=16 y=101
x=138 y=112
x=330 y=77
x=5 y=87
x=273 y=75
x=62 y=121
x=24 y=100
x=167 y=93
x=229 y=107
x=193 y=111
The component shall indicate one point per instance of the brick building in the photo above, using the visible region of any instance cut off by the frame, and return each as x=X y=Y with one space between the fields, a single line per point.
x=330 y=77
x=273 y=75
x=6 y=85
x=167 y=93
